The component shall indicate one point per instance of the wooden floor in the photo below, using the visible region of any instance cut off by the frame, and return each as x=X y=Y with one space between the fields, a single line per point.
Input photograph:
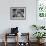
x=13 y=44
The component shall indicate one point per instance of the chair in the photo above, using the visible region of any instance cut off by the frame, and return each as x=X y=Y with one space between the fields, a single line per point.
x=14 y=32
x=7 y=35
x=26 y=41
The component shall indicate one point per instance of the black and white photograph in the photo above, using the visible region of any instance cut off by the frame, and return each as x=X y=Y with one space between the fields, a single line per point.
x=17 y=13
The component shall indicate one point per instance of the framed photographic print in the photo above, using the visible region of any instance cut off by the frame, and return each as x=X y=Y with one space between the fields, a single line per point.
x=41 y=8
x=41 y=12
x=17 y=13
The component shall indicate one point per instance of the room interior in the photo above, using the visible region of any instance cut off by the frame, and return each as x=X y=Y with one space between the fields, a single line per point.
x=22 y=22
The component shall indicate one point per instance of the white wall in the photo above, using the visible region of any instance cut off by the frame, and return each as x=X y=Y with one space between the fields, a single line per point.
x=24 y=25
